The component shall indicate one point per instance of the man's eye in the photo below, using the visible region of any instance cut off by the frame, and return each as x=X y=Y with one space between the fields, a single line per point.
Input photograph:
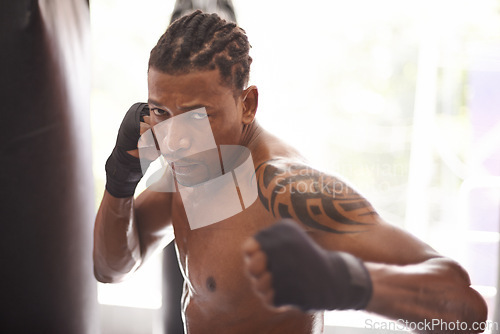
x=199 y=115
x=158 y=112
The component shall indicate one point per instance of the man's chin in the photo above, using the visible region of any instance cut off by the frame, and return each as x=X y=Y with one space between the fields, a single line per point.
x=190 y=181
x=194 y=179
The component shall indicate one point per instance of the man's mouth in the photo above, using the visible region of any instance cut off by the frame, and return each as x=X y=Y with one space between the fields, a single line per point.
x=182 y=168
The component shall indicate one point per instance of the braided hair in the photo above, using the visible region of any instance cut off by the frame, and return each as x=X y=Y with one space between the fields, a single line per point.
x=203 y=42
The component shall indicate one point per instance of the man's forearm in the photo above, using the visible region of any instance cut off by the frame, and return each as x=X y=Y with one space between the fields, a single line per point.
x=436 y=289
x=116 y=242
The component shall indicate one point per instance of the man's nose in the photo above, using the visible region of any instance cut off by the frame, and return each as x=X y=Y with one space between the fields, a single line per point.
x=176 y=139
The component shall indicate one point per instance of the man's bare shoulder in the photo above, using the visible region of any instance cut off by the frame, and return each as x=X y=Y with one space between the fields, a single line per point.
x=153 y=201
x=266 y=147
x=290 y=188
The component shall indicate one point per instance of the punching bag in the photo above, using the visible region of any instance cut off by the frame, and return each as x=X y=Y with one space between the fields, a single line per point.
x=47 y=199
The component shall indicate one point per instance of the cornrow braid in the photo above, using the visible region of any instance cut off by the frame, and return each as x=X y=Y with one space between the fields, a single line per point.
x=201 y=41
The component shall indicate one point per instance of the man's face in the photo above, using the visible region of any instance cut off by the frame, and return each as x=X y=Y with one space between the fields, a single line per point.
x=196 y=109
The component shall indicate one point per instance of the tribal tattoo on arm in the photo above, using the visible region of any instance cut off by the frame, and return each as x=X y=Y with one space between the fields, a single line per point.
x=318 y=200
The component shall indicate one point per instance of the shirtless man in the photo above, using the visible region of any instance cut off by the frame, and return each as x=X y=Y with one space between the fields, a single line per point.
x=202 y=63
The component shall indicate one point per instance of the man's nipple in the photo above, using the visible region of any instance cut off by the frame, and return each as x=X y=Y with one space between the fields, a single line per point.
x=211 y=286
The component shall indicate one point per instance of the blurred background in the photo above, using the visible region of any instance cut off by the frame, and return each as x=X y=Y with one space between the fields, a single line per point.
x=400 y=97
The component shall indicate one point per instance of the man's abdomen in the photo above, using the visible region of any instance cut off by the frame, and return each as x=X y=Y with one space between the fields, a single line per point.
x=218 y=297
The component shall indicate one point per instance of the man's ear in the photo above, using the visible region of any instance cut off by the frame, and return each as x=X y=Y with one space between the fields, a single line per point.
x=250 y=101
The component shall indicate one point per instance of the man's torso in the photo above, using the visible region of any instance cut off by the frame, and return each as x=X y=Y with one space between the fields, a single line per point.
x=217 y=294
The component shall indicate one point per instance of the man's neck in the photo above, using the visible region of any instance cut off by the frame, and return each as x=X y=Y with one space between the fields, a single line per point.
x=250 y=135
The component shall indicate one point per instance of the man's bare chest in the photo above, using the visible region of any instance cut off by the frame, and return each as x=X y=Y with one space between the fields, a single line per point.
x=212 y=258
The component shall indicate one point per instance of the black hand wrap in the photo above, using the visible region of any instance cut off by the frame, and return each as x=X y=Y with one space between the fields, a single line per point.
x=306 y=276
x=123 y=171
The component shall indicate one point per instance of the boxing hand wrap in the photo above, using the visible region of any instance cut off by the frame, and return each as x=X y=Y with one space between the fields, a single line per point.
x=123 y=171
x=306 y=276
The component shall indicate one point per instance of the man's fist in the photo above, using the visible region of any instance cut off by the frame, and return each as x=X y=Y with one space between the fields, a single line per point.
x=123 y=167
x=286 y=267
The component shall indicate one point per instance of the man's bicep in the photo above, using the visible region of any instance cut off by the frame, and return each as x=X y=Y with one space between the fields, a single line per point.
x=319 y=201
x=381 y=243
x=335 y=214
x=153 y=218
